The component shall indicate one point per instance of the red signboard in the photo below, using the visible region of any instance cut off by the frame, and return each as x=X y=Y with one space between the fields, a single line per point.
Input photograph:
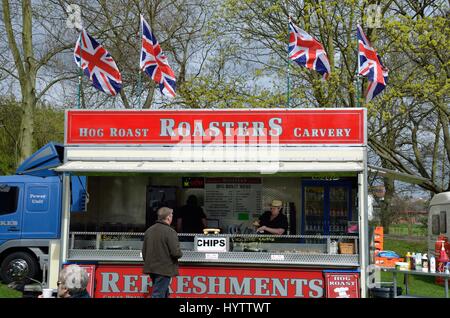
x=256 y=126
x=342 y=285
x=212 y=282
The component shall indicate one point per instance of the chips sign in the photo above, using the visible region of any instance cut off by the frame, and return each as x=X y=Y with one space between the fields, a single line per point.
x=211 y=244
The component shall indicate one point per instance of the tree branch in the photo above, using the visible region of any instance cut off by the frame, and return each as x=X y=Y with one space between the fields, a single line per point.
x=11 y=39
x=53 y=82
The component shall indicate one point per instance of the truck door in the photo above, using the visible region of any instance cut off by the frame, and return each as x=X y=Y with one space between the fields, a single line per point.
x=41 y=219
x=11 y=210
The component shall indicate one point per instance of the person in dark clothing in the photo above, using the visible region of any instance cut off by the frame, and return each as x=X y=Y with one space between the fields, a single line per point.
x=72 y=283
x=191 y=218
x=161 y=251
x=273 y=221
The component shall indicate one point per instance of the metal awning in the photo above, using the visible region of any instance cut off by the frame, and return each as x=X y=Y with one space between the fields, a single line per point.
x=212 y=159
x=208 y=167
x=216 y=153
x=397 y=175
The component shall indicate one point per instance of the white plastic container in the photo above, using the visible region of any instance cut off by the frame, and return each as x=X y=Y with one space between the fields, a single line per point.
x=333 y=247
x=425 y=264
x=47 y=293
x=432 y=264
x=419 y=262
x=402 y=266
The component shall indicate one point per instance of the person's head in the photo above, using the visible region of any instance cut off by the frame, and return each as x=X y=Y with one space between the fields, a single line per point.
x=276 y=206
x=192 y=200
x=165 y=215
x=73 y=279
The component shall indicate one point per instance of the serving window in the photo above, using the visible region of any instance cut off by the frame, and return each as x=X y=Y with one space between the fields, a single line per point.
x=121 y=208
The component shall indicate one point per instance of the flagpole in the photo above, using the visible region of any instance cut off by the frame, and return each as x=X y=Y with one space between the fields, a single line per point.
x=79 y=86
x=139 y=88
x=357 y=76
x=80 y=75
x=357 y=82
x=288 y=65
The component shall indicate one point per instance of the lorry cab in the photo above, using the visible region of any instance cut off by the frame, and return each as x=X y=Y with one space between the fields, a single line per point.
x=438 y=219
x=30 y=213
x=29 y=207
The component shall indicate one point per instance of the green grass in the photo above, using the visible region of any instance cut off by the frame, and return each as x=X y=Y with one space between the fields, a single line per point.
x=402 y=229
x=418 y=285
x=401 y=247
x=6 y=292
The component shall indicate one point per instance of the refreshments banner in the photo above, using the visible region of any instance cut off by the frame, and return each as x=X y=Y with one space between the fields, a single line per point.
x=336 y=126
x=212 y=282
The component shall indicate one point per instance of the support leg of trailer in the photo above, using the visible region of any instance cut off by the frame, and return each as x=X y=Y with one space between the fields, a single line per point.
x=394 y=276
x=446 y=287
x=363 y=232
x=406 y=284
x=54 y=258
x=63 y=244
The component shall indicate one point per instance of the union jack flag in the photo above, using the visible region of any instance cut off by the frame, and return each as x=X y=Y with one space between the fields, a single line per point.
x=307 y=51
x=369 y=65
x=154 y=62
x=97 y=64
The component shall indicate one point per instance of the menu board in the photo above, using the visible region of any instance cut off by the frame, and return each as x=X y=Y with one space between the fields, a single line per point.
x=233 y=198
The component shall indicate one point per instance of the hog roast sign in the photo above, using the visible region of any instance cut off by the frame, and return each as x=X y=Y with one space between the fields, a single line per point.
x=342 y=285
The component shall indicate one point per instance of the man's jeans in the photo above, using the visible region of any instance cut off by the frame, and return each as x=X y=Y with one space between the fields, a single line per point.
x=160 y=286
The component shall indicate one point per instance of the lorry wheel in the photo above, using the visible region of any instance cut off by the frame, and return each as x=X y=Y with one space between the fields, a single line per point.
x=18 y=267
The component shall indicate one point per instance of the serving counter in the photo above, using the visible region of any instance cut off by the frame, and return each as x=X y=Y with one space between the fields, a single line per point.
x=292 y=250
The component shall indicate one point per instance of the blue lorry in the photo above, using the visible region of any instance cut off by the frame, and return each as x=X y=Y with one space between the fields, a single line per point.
x=30 y=213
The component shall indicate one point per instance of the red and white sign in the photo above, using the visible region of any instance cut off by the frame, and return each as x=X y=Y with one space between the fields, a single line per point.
x=256 y=126
x=212 y=282
x=341 y=285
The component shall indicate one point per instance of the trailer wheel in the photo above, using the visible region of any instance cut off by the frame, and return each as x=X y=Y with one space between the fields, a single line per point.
x=19 y=267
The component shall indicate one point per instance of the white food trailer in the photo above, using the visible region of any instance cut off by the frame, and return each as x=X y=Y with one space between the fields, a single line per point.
x=236 y=161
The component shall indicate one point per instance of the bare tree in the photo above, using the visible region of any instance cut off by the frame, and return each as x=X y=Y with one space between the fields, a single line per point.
x=409 y=121
x=180 y=27
x=415 y=107
x=28 y=43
